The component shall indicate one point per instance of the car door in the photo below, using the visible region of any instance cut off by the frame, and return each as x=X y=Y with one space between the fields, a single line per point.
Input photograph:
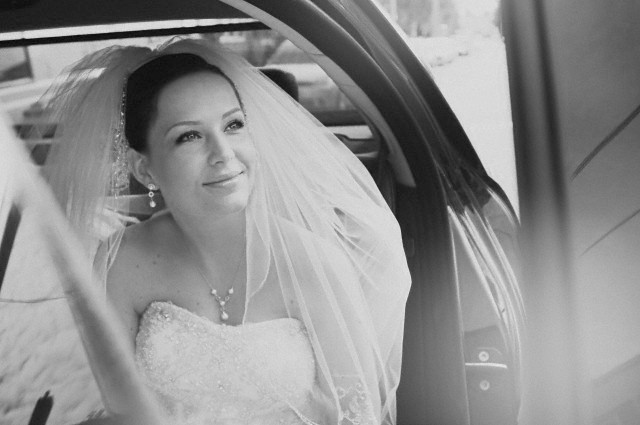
x=419 y=121
x=576 y=92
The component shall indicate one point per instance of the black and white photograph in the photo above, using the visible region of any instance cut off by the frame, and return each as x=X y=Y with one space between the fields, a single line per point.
x=319 y=212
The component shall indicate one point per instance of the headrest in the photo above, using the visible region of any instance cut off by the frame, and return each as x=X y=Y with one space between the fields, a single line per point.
x=284 y=79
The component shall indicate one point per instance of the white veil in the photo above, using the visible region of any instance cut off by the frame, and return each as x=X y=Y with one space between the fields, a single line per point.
x=318 y=230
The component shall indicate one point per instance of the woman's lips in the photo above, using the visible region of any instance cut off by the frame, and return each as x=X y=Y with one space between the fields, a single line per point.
x=224 y=179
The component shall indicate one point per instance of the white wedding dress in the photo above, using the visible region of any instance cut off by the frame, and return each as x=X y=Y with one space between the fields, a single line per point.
x=207 y=373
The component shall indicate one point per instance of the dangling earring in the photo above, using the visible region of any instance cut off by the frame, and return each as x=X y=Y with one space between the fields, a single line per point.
x=152 y=187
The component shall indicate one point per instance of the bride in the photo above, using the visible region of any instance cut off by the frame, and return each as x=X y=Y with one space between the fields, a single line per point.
x=269 y=287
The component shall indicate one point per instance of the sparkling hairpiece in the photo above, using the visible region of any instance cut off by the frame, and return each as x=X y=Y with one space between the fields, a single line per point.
x=120 y=166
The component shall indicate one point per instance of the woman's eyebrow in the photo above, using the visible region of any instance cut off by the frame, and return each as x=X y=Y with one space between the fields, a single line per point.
x=225 y=115
x=231 y=112
x=179 y=123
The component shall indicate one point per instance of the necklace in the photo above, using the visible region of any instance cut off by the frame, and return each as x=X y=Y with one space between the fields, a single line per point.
x=221 y=300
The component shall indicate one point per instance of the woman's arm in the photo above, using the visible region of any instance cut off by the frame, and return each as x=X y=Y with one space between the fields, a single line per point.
x=121 y=282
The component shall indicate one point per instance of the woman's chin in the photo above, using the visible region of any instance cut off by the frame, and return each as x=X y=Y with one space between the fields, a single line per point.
x=232 y=204
x=218 y=207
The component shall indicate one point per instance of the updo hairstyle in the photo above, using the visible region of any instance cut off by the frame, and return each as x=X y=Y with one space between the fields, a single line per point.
x=144 y=86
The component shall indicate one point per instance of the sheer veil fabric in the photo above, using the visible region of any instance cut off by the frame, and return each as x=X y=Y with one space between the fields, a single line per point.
x=318 y=232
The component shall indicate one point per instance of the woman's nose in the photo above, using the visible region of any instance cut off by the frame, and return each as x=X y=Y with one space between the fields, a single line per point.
x=220 y=150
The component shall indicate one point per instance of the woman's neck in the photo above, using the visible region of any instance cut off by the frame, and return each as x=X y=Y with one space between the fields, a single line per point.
x=218 y=244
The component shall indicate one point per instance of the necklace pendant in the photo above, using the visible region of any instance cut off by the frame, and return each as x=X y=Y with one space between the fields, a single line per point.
x=224 y=315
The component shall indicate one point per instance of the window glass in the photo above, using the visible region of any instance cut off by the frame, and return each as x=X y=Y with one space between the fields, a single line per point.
x=14 y=65
x=461 y=42
x=32 y=69
x=316 y=91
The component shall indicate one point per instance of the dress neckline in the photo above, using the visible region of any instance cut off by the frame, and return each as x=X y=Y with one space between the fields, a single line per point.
x=206 y=319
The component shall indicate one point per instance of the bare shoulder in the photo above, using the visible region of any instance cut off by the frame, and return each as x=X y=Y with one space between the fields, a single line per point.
x=131 y=276
x=131 y=279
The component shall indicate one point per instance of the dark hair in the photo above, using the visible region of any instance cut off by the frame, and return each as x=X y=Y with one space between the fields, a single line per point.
x=144 y=86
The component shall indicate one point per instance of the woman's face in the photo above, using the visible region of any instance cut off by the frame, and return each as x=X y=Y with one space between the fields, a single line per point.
x=201 y=155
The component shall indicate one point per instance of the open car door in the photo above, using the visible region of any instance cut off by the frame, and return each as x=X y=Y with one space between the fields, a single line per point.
x=575 y=93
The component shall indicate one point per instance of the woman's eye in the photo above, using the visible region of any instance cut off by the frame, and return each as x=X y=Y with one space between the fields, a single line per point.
x=234 y=125
x=189 y=136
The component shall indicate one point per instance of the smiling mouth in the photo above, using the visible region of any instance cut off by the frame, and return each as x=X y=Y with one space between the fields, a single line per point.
x=224 y=179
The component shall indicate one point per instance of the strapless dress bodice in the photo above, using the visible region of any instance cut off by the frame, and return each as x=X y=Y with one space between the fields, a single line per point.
x=207 y=373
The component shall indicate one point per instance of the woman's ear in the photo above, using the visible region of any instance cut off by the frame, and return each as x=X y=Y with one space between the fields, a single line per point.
x=139 y=166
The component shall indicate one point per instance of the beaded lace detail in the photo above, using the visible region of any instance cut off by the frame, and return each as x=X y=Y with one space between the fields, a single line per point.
x=207 y=373
x=355 y=402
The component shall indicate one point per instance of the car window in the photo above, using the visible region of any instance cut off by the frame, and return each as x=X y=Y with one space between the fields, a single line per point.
x=26 y=72
x=316 y=91
x=288 y=53
x=466 y=55
x=14 y=66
